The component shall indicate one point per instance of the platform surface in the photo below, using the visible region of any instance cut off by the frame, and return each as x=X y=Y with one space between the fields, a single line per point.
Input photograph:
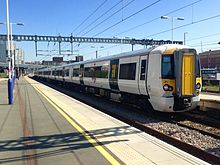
x=33 y=132
x=210 y=96
x=44 y=126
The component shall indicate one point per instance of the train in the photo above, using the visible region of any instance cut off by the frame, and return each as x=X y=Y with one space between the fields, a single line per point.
x=166 y=78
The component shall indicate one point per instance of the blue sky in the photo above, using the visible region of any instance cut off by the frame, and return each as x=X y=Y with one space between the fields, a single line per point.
x=53 y=17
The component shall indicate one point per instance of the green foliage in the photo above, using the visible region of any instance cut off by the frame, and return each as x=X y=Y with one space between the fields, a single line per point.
x=210 y=88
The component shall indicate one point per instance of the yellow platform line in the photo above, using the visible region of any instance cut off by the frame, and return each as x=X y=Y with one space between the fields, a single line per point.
x=107 y=155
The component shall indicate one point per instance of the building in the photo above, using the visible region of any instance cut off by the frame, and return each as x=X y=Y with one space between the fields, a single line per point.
x=19 y=56
x=19 y=53
x=210 y=59
x=3 y=56
x=59 y=61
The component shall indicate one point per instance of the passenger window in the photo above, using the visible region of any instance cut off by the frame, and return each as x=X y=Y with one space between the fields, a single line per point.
x=127 y=71
x=75 y=72
x=143 y=70
x=67 y=72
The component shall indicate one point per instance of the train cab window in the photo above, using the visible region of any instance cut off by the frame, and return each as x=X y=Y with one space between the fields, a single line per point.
x=143 y=70
x=167 y=67
x=127 y=71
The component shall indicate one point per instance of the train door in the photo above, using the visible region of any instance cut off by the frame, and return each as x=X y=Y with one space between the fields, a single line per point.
x=142 y=81
x=186 y=73
x=188 y=76
x=81 y=74
x=113 y=77
x=55 y=74
x=63 y=74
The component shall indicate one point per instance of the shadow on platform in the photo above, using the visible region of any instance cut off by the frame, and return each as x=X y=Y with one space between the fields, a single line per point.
x=61 y=143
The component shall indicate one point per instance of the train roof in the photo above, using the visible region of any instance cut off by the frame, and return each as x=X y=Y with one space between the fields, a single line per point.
x=159 y=48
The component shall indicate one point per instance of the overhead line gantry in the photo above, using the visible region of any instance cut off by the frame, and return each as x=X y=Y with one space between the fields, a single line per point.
x=71 y=39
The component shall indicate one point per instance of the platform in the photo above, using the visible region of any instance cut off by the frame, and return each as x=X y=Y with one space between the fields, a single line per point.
x=44 y=126
x=209 y=101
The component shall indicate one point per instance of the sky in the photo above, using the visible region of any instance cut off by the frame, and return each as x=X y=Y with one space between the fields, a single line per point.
x=138 y=19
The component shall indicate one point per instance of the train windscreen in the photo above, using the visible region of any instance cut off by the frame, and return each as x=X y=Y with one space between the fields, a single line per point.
x=167 y=68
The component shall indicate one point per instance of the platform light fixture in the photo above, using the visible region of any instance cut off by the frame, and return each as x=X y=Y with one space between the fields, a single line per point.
x=10 y=46
x=172 y=17
x=96 y=52
x=184 y=37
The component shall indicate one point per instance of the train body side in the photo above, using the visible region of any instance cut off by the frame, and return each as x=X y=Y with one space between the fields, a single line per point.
x=137 y=76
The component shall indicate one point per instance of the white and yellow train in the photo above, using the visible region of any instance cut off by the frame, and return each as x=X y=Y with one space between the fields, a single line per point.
x=166 y=77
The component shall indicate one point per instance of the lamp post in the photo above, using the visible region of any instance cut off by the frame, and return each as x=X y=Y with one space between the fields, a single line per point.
x=172 y=17
x=184 y=38
x=11 y=49
x=10 y=85
x=96 y=52
x=11 y=55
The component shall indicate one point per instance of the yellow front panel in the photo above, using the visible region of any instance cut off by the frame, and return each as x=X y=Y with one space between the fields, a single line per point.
x=170 y=82
x=199 y=80
x=188 y=75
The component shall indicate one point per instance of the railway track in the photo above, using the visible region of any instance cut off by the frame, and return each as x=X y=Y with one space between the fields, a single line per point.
x=108 y=107
x=199 y=121
x=203 y=129
x=210 y=117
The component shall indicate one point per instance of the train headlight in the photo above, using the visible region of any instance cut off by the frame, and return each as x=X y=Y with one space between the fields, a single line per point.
x=170 y=88
x=198 y=86
x=166 y=87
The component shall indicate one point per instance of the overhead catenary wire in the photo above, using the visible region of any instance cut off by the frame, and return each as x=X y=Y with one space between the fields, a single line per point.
x=151 y=20
x=128 y=17
x=90 y=15
x=103 y=49
x=188 y=24
x=129 y=3
x=195 y=22
x=205 y=43
x=214 y=43
x=96 y=19
x=156 y=18
x=51 y=52
x=206 y=36
x=170 y=12
x=106 y=12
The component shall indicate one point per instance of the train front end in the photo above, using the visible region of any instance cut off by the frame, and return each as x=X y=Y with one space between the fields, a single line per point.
x=180 y=79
